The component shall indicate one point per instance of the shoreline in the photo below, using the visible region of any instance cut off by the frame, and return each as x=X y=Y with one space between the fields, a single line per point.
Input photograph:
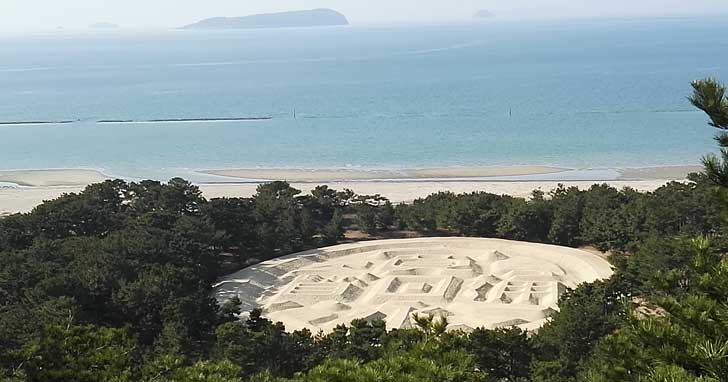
x=348 y=174
x=24 y=198
x=84 y=176
x=455 y=173
x=22 y=190
x=52 y=177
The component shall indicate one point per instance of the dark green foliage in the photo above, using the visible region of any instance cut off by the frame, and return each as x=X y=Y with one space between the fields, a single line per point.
x=431 y=358
x=363 y=341
x=568 y=207
x=278 y=220
x=260 y=345
x=78 y=354
x=234 y=225
x=176 y=368
x=527 y=220
x=586 y=315
x=114 y=284
x=133 y=264
x=604 y=217
x=504 y=354
x=278 y=212
x=612 y=219
x=685 y=209
x=424 y=363
x=373 y=213
x=477 y=214
x=333 y=231
x=142 y=258
x=655 y=262
x=139 y=278
x=688 y=342
x=709 y=96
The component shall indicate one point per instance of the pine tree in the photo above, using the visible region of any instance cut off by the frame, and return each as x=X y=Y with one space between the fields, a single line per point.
x=709 y=96
x=686 y=341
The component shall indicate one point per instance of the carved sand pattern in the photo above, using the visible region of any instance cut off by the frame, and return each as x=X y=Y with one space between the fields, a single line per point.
x=473 y=282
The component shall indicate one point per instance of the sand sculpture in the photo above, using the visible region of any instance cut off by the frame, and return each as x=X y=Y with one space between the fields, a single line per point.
x=473 y=282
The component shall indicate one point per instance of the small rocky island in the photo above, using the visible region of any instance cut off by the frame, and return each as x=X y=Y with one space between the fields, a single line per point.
x=309 y=18
x=484 y=14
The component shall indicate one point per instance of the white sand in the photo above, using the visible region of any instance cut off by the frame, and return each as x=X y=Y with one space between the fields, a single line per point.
x=23 y=199
x=40 y=185
x=473 y=282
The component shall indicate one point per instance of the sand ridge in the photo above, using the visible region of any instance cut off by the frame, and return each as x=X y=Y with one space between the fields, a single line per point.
x=473 y=282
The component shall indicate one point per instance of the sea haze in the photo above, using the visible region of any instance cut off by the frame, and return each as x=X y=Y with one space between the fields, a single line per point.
x=574 y=94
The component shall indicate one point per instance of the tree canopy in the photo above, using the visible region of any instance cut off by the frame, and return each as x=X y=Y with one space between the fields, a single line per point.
x=115 y=284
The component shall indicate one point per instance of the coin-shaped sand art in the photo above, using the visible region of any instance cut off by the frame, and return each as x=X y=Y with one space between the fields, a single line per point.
x=473 y=282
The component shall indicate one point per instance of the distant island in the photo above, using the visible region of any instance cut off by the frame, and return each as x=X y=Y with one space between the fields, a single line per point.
x=484 y=14
x=309 y=18
x=104 y=25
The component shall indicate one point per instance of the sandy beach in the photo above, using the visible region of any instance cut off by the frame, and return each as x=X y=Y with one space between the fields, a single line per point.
x=27 y=189
x=480 y=173
x=330 y=175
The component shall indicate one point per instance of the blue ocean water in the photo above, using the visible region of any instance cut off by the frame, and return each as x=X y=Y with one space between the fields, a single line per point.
x=582 y=94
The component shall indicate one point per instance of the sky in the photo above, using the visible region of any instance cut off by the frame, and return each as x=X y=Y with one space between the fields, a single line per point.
x=31 y=15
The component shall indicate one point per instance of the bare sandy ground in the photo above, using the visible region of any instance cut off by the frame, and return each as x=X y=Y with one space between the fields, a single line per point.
x=473 y=282
x=24 y=199
x=39 y=185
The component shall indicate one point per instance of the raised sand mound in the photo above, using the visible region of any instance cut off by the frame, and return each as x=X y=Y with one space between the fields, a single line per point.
x=473 y=282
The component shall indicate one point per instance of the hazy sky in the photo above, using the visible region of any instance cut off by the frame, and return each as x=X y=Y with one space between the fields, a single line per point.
x=47 y=14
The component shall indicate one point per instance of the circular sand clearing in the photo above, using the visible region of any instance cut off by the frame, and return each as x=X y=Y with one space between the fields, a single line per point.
x=473 y=282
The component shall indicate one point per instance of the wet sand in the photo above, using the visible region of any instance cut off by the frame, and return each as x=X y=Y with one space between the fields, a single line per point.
x=329 y=175
x=49 y=178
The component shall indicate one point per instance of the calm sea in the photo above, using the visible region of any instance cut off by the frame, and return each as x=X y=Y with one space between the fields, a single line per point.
x=577 y=93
